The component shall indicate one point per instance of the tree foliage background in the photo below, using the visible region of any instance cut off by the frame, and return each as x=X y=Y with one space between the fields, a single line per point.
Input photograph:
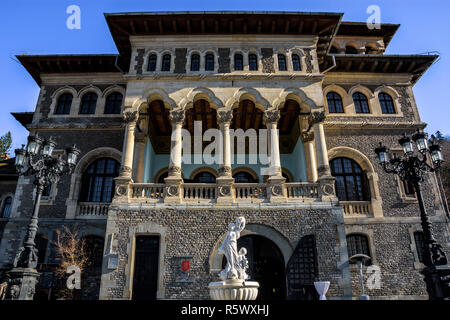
x=5 y=145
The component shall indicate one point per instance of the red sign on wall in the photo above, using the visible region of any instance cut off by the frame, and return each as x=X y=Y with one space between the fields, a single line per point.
x=185 y=265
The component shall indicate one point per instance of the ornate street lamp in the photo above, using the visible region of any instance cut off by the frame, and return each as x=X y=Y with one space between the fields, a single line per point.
x=412 y=167
x=35 y=160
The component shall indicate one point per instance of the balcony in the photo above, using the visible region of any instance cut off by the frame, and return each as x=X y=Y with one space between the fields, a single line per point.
x=356 y=209
x=92 y=210
x=209 y=192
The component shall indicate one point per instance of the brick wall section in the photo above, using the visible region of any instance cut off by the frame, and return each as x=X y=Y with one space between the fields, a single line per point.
x=224 y=60
x=195 y=232
x=180 y=60
x=267 y=60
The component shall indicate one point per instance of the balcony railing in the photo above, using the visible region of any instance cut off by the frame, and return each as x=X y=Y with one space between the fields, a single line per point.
x=356 y=209
x=209 y=192
x=92 y=210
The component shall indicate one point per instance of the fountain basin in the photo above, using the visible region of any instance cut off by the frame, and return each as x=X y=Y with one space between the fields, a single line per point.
x=233 y=290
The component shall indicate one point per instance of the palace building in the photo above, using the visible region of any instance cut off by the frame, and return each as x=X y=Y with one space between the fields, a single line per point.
x=313 y=94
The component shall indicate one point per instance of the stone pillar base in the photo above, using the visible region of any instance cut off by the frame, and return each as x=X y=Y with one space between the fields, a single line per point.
x=122 y=192
x=327 y=191
x=173 y=192
x=275 y=189
x=22 y=283
x=225 y=190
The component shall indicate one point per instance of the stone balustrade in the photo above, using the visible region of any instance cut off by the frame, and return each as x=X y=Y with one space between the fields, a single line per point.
x=356 y=209
x=92 y=210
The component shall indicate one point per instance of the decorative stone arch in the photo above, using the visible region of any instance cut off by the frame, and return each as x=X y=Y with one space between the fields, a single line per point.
x=284 y=52
x=352 y=44
x=297 y=95
x=259 y=59
x=215 y=258
x=189 y=55
x=247 y=94
x=203 y=169
x=200 y=93
x=347 y=101
x=371 y=98
x=99 y=106
x=55 y=97
x=146 y=57
x=247 y=170
x=369 y=170
x=301 y=55
x=82 y=165
x=112 y=89
x=395 y=98
x=160 y=60
x=215 y=54
x=233 y=52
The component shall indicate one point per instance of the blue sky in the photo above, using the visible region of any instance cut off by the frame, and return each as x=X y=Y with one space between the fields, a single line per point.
x=39 y=27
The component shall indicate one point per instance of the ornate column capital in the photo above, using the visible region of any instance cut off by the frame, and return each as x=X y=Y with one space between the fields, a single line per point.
x=307 y=136
x=224 y=116
x=176 y=116
x=271 y=116
x=130 y=117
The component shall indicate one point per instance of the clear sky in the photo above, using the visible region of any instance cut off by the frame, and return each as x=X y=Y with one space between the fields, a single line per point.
x=39 y=27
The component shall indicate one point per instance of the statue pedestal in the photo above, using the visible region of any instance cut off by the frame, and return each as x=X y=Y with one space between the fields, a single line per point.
x=233 y=290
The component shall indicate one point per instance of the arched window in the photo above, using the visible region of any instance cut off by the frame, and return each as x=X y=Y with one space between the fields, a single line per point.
x=195 y=62
x=64 y=104
x=358 y=244
x=244 y=177
x=152 y=62
x=350 y=50
x=282 y=62
x=296 y=65
x=113 y=103
x=204 y=177
x=98 y=180
x=6 y=210
x=209 y=62
x=333 y=49
x=351 y=181
x=386 y=102
x=165 y=66
x=252 y=62
x=88 y=103
x=334 y=101
x=238 y=62
x=361 y=103
x=94 y=250
x=419 y=239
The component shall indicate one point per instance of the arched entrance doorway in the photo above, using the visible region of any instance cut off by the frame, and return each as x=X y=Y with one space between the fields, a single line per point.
x=266 y=265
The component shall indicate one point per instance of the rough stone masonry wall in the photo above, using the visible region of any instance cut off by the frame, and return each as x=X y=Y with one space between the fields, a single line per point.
x=391 y=239
x=195 y=232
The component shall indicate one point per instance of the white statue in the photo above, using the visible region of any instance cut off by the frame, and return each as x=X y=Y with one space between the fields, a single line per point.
x=236 y=261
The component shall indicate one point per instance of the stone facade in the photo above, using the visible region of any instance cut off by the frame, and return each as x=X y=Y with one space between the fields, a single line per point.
x=191 y=218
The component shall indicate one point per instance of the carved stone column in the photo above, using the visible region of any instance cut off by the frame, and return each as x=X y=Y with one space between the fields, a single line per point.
x=173 y=191
x=275 y=189
x=327 y=190
x=310 y=156
x=139 y=153
x=125 y=177
x=225 y=191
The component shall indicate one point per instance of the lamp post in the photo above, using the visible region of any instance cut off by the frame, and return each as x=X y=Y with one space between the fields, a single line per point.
x=360 y=259
x=411 y=167
x=35 y=160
